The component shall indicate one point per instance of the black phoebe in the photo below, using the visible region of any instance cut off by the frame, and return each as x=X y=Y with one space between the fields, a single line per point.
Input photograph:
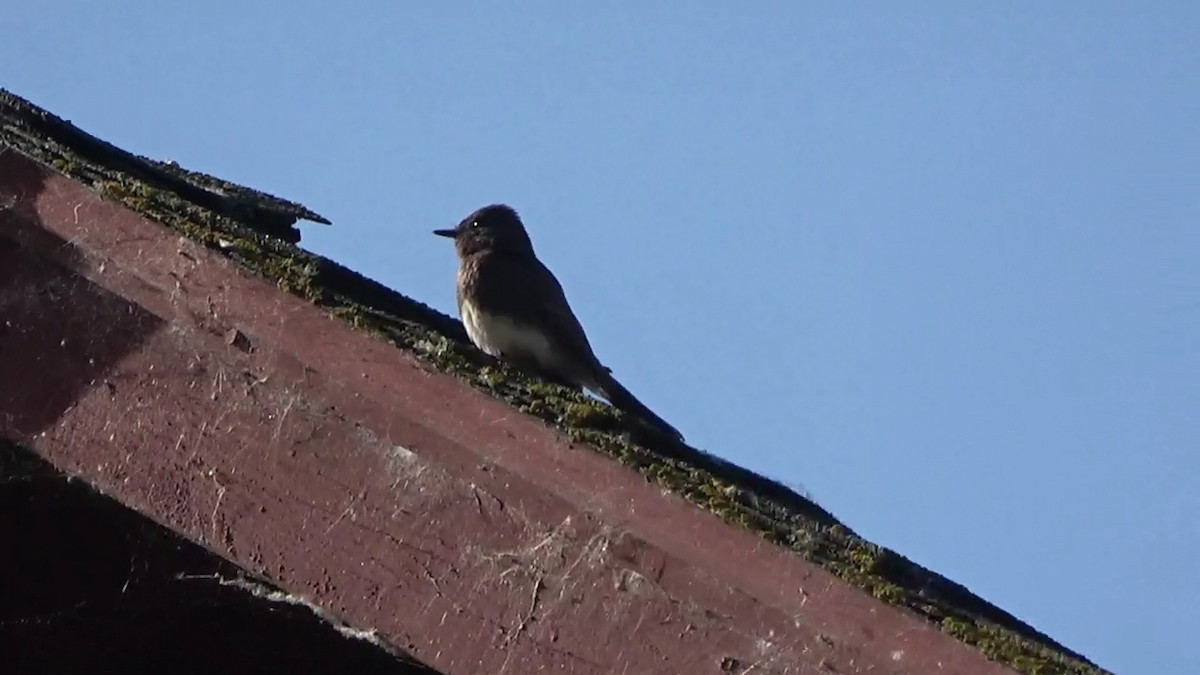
x=514 y=309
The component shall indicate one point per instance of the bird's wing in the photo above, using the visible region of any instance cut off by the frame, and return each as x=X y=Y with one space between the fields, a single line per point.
x=533 y=296
x=530 y=295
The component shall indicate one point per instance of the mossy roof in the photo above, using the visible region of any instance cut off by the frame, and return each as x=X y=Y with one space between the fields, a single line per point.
x=258 y=231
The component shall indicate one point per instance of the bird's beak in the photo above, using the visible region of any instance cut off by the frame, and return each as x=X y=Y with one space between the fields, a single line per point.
x=446 y=233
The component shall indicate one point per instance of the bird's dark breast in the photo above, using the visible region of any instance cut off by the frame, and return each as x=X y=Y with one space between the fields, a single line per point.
x=499 y=286
x=466 y=281
x=497 y=313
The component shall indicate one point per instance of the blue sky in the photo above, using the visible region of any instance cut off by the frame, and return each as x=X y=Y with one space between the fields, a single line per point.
x=935 y=264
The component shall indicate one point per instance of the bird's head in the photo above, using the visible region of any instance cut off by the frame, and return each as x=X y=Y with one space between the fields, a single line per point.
x=496 y=227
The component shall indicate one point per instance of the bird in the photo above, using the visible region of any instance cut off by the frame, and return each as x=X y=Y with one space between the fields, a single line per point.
x=514 y=309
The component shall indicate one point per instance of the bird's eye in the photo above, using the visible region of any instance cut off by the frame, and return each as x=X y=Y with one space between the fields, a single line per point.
x=474 y=223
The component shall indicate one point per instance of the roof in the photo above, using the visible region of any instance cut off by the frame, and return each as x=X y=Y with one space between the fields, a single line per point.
x=257 y=231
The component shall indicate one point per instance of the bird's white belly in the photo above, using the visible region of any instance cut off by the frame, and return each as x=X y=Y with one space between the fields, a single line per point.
x=501 y=336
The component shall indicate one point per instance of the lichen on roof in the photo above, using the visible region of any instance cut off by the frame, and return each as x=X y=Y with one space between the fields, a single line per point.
x=257 y=230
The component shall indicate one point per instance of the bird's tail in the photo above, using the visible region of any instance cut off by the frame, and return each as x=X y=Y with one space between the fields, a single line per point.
x=621 y=398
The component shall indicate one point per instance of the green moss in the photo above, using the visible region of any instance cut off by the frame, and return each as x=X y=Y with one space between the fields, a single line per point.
x=738 y=497
x=1000 y=645
x=351 y=315
x=62 y=165
x=590 y=414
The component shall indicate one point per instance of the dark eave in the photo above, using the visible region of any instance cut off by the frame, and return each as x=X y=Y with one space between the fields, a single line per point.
x=89 y=586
